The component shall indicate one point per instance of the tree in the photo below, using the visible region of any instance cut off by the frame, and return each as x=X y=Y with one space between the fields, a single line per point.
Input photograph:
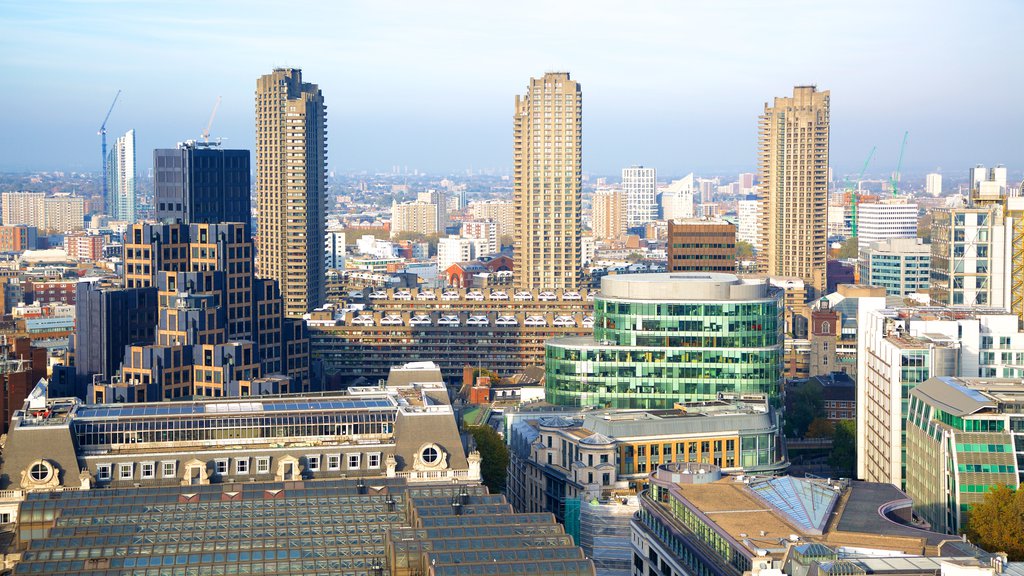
x=821 y=428
x=849 y=248
x=997 y=523
x=804 y=403
x=477 y=372
x=844 y=448
x=744 y=250
x=494 y=467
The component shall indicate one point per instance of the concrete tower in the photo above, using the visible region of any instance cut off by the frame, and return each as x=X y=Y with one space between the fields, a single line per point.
x=547 y=156
x=291 y=184
x=793 y=136
x=121 y=178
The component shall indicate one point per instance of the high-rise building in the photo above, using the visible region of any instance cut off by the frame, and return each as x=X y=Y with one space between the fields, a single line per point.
x=500 y=211
x=746 y=182
x=971 y=255
x=23 y=209
x=57 y=213
x=639 y=184
x=200 y=183
x=440 y=199
x=548 y=183
x=416 y=217
x=485 y=233
x=291 y=185
x=701 y=246
x=793 y=174
x=454 y=249
x=84 y=246
x=748 y=218
x=334 y=249
x=609 y=214
x=121 y=178
x=933 y=184
x=901 y=265
x=885 y=220
x=666 y=338
x=677 y=199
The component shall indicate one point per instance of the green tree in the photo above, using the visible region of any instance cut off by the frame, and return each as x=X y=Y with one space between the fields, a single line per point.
x=494 y=467
x=485 y=372
x=849 y=248
x=804 y=404
x=821 y=428
x=844 y=448
x=997 y=523
x=744 y=250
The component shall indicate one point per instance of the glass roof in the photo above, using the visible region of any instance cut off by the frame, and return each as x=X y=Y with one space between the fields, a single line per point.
x=805 y=502
x=185 y=409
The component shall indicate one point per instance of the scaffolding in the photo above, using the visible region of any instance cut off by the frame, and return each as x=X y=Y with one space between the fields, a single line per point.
x=604 y=533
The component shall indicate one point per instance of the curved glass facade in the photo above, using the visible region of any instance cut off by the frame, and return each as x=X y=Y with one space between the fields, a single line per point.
x=652 y=354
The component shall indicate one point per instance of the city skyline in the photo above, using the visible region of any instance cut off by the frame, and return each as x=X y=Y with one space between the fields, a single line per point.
x=685 y=74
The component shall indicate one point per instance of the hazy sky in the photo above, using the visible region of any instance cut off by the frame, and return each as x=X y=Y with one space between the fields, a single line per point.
x=430 y=85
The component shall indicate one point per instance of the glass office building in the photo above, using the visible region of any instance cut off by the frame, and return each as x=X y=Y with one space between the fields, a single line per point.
x=660 y=339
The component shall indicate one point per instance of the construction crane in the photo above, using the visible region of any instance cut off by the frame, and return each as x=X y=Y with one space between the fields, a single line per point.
x=854 y=190
x=894 y=182
x=103 y=144
x=206 y=133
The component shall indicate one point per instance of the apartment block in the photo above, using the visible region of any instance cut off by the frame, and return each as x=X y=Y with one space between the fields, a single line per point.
x=501 y=212
x=640 y=185
x=121 y=193
x=416 y=217
x=608 y=218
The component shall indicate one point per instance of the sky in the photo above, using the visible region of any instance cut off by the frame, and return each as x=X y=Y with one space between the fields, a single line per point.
x=430 y=85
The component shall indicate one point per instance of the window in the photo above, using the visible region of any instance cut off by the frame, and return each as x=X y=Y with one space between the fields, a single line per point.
x=168 y=469
x=220 y=466
x=373 y=460
x=334 y=461
x=353 y=461
x=430 y=455
x=40 y=471
x=103 y=471
x=124 y=471
x=313 y=460
x=241 y=465
x=148 y=470
x=262 y=465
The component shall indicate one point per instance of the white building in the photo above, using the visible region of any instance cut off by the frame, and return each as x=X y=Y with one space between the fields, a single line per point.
x=588 y=248
x=677 y=199
x=369 y=245
x=898 y=348
x=640 y=187
x=988 y=182
x=334 y=249
x=500 y=211
x=748 y=216
x=484 y=231
x=454 y=249
x=121 y=178
x=933 y=184
x=885 y=220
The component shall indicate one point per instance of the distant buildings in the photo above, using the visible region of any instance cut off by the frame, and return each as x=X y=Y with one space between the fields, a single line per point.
x=121 y=201
x=677 y=199
x=455 y=249
x=84 y=247
x=415 y=217
x=933 y=185
x=200 y=183
x=291 y=187
x=18 y=238
x=57 y=213
x=608 y=219
x=748 y=218
x=660 y=339
x=902 y=265
x=484 y=234
x=701 y=246
x=501 y=212
x=547 y=183
x=885 y=220
x=960 y=444
x=793 y=163
x=639 y=185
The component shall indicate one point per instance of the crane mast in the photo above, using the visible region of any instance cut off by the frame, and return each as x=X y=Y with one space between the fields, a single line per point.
x=103 y=148
x=854 y=197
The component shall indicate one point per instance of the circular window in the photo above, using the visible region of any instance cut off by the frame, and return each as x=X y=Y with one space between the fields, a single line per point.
x=40 y=471
x=430 y=455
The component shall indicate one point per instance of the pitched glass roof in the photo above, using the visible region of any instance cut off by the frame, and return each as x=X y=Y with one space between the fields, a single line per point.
x=805 y=502
x=186 y=409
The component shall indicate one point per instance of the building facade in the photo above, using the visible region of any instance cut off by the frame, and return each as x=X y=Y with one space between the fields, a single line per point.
x=415 y=217
x=793 y=167
x=291 y=187
x=121 y=201
x=608 y=217
x=961 y=443
x=885 y=220
x=201 y=183
x=548 y=183
x=18 y=238
x=748 y=218
x=933 y=185
x=485 y=233
x=701 y=246
x=902 y=265
x=57 y=213
x=83 y=247
x=501 y=212
x=677 y=199
x=640 y=186
x=660 y=339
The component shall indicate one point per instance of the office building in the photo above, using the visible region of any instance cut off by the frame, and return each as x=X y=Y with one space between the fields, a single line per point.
x=933 y=185
x=988 y=183
x=485 y=233
x=18 y=238
x=494 y=327
x=121 y=201
x=548 y=182
x=454 y=249
x=291 y=187
x=901 y=265
x=960 y=443
x=660 y=339
x=415 y=217
x=677 y=199
x=793 y=139
x=640 y=186
x=201 y=183
x=608 y=216
x=107 y=320
x=885 y=220
x=707 y=245
x=501 y=212
x=693 y=520
x=901 y=347
x=748 y=218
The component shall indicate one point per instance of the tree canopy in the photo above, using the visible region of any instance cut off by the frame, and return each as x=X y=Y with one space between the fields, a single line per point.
x=744 y=250
x=997 y=523
x=494 y=467
x=849 y=248
x=844 y=448
x=804 y=403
